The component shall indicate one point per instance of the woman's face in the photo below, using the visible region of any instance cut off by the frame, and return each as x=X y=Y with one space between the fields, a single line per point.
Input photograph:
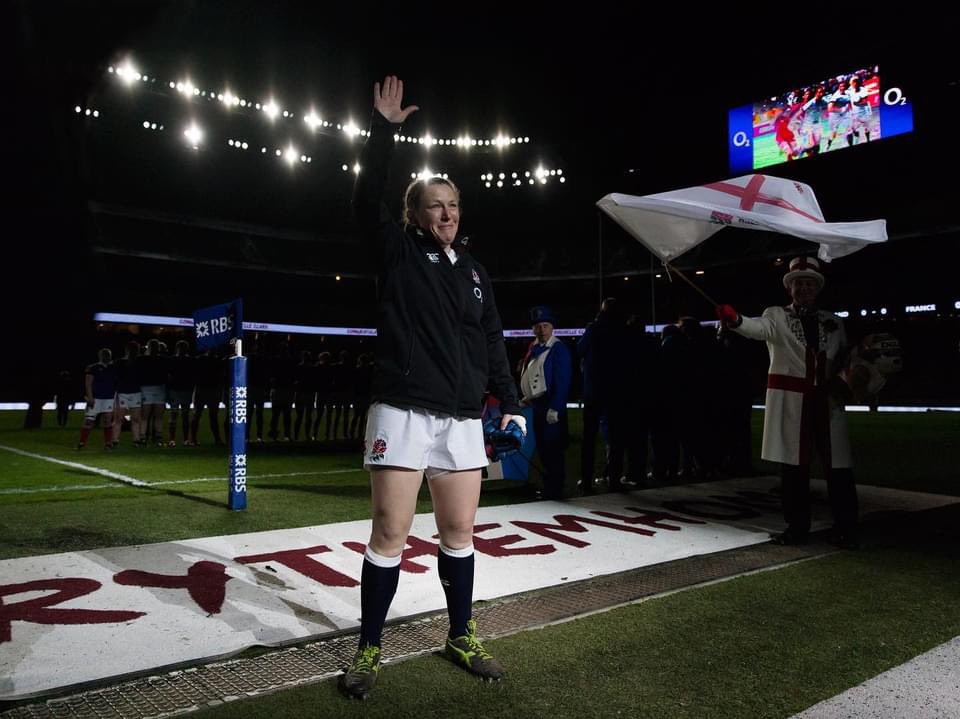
x=439 y=213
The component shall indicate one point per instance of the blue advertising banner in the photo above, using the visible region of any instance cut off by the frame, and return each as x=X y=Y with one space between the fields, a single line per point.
x=237 y=496
x=217 y=325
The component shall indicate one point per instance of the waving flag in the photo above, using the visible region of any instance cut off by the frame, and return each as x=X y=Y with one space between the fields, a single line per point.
x=671 y=223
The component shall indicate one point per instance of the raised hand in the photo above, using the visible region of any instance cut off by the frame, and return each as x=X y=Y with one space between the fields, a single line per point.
x=728 y=316
x=387 y=100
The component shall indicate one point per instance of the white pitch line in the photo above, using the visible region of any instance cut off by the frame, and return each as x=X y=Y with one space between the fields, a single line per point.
x=254 y=476
x=76 y=465
x=76 y=487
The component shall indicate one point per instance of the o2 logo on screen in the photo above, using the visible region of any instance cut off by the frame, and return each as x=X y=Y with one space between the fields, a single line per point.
x=740 y=139
x=894 y=96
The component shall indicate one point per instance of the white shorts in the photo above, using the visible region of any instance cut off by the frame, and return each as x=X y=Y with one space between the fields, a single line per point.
x=418 y=439
x=154 y=394
x=133 y=400
x=99 y=406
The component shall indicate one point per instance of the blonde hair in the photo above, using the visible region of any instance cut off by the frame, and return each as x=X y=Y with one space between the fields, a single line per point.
x=414 y=193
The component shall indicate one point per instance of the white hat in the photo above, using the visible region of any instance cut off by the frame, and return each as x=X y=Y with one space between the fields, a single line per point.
x=803 y=267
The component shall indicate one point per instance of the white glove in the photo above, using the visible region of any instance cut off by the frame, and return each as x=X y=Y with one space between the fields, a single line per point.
x=519 y=419
x=552 y=416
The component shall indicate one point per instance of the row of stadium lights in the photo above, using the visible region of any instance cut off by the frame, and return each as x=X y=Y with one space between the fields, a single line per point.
x=464 y=142
x=291 y=154
x=129 y=74
x=194 y=136
x=515 y=179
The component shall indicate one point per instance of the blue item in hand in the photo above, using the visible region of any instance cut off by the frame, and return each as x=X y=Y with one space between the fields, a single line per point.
x=502 y=441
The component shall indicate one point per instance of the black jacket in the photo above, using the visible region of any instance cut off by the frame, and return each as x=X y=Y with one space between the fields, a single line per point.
x=439 y=337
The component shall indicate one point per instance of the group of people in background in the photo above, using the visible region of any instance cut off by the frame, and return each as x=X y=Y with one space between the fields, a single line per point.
x=686 y=394
x=313 y=397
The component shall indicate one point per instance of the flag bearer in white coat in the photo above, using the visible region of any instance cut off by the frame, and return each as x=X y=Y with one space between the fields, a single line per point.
x=804 y=403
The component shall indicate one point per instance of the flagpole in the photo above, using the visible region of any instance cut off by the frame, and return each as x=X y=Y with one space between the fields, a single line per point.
x=708 y=298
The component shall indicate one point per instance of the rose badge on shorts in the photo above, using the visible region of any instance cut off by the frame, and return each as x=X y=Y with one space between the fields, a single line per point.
x=379 y=448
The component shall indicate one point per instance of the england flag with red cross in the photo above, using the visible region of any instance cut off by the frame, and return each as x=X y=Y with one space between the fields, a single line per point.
x=671 y=223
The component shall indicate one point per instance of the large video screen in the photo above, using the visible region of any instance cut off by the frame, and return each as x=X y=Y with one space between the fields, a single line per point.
x=842 y=111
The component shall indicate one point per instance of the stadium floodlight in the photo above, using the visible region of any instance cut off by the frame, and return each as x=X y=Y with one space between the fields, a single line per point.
x=351 y=129
x=563 y=179
x=356 y=169
x=127 y=72
x=271 y=109
x=146 y=125
x=883 y=310
x=291 y=154
x=78 y=109
x=193 y=134
x=312 y=120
